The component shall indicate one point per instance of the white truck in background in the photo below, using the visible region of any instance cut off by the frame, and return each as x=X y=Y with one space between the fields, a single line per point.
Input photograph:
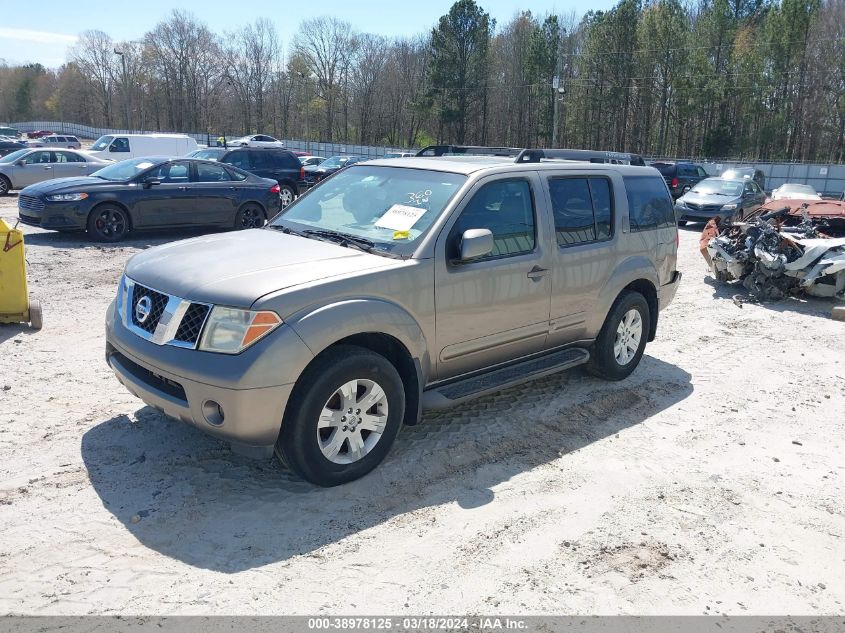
x=119 y=147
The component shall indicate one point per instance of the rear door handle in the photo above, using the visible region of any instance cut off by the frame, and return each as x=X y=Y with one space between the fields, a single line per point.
x=537 y=273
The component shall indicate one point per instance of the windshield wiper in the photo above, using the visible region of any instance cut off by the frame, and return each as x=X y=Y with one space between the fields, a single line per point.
x=343 y=239
x=284 y=229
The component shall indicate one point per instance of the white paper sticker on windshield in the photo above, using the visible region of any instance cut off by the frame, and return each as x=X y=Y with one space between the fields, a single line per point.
x=400 y=217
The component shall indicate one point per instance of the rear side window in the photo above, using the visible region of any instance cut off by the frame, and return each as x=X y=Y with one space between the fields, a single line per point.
x=262 y=160
x=582 y=210
x=649 y=203
x=238 y=159
x=506 y=208
x=667 y=169
x=211 y=173
x=289 y=161
x=687 y=170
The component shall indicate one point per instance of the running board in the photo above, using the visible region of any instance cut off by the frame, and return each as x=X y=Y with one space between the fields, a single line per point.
x=449 y=395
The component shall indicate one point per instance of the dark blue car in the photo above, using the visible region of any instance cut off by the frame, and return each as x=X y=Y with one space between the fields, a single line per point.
x=151 y=192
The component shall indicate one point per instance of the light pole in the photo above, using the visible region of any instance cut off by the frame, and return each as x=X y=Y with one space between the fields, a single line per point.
x=307 y=110
x=126 y=92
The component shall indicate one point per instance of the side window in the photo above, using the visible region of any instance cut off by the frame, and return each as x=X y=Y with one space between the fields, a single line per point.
x=37 y=158
x=236 y=175
x=290 y=161
x=171 y=173
x=701 y=172
x=506 y=208
x=120 y=144
x=261 y=160
x=686 y=170
x=649 y=204
x=59 y=157
x=239 y=160
x=582 y=209
x=211 y=173
x=73 y=158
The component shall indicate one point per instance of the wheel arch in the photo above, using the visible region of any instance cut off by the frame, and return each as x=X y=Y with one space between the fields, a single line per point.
x=635 y=273
x=398 y=338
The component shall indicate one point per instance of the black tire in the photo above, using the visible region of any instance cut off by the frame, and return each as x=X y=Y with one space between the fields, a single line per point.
x=5 y=185
x=36 y=316
x=603 y=361
x=298 y=447
x=682 y=222
x=250 y=216
x=286 y=192
x=108 y=223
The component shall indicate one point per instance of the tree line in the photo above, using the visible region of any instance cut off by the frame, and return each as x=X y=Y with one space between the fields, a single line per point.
x=752 y=79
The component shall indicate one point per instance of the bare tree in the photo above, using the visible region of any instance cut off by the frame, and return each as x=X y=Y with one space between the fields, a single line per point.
x=325 y=44
x=95 y=58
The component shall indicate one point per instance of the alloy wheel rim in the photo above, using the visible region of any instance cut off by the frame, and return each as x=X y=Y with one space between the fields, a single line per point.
x=352 y=421
x=286 y=197
x=110 y=224
x=252 y=218
x=629 y=333
x=4 y=188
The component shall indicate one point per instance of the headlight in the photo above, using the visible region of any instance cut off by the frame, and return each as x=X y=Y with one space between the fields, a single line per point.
x=67 y=197
x=729 y=207
x=230 y=330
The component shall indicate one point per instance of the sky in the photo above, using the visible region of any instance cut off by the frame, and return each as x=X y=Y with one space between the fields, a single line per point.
x=42 y=30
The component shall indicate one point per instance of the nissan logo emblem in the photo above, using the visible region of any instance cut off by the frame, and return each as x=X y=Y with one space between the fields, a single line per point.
x=143 y=307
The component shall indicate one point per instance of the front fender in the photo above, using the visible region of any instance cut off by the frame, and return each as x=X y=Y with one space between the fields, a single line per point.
x=321 y=327
x=628 y=271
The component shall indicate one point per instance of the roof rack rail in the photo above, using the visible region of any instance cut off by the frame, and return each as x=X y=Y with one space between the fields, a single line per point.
x=468 y=150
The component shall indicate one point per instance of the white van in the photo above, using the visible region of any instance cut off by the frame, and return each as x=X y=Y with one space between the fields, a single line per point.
x=122 y=146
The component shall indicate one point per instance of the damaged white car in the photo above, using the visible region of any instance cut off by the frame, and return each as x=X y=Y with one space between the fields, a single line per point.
x=778 y=253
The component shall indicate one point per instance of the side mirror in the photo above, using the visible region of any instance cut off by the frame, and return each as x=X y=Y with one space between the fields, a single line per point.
x=476 y=243
x=149 y=182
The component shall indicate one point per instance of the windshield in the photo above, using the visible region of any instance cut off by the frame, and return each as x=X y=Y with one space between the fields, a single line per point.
x=719 y=186
x=736 y=174
x=390 y=206
x=207 y=154
x=124 y=170
x=102 y=143
x=335 y=161
x=804 y=189
x=11 y=158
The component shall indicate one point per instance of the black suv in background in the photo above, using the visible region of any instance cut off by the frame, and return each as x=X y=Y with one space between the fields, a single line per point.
x=680 y=177
x=281 y=165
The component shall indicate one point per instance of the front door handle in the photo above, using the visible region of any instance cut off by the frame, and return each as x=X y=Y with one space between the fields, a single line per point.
x=537 y=273
x=183 y=188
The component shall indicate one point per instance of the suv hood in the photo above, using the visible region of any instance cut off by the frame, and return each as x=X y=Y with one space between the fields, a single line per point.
x=236 y=269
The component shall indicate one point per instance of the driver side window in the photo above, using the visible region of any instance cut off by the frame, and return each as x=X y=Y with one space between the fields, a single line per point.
x=120 y=144
x=506 y=209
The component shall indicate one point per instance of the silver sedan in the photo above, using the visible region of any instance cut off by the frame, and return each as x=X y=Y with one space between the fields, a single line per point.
x=26 y=167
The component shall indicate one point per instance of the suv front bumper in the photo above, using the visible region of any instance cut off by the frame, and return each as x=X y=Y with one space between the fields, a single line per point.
x=232 y=397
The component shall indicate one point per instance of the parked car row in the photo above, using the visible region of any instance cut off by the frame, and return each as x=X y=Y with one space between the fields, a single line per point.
x=28 y=166
x=56 y=140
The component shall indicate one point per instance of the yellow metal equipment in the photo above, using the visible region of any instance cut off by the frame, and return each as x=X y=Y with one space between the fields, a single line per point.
x=15 y=306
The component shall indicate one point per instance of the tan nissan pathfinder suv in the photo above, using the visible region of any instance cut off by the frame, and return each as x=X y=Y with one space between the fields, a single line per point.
x=395 y=286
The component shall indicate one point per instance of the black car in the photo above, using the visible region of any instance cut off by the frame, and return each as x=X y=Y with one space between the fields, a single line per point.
x=680 y=177
x=151 y=192
x=281 y=165
x=316 y=173
x=7 y=147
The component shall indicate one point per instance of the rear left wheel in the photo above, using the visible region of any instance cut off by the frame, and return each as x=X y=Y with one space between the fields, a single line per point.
x=250 y=216
x=621 y=342
x=286 y=195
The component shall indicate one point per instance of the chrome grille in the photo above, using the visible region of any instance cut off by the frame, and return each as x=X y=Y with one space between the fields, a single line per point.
x=171 y=320
x=158 y=303
x=191 y=325
x=30 y=203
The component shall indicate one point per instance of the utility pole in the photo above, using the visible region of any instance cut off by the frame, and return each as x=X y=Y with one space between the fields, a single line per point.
x=307 y=110
x=558 y=91
x=126 y=91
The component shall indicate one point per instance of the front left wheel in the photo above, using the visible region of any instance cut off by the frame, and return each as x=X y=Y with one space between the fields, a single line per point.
x=108 y=223
x=343 y=416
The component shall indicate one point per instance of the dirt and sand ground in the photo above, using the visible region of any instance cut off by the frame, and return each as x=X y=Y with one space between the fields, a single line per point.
x=711 y=481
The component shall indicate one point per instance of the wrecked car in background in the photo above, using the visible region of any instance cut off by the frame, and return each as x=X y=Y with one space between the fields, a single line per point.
x=784 y=248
